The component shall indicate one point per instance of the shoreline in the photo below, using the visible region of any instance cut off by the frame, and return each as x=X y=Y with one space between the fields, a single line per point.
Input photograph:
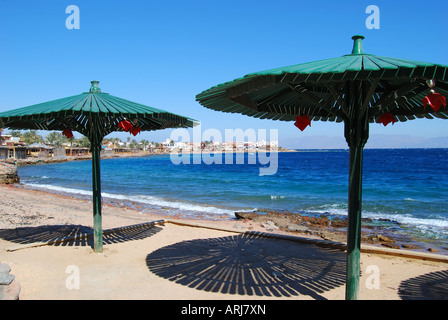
x=33 y=161
x=378 y=232
x=147 y=258
x=322 y=226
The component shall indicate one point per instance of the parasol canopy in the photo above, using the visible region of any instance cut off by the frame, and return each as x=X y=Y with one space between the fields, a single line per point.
x=357 y=89
x=321 y=89
x=94 y=114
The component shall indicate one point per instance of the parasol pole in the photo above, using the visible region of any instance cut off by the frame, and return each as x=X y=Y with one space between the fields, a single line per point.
x=356 y=134
x=354 y=223
x=95 y=148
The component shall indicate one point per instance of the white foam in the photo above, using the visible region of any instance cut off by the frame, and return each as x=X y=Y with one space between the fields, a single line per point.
x=400 y=218
x=155 y=201
x=336 y=209
x=274 y=197
x=419 y=222
x=187 y=206
x=60 y=189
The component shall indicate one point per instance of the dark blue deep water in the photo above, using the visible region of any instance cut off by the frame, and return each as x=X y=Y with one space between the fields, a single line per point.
x=409 y=186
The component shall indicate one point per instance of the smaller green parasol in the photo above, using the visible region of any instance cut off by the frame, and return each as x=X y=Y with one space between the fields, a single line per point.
x=94 y=114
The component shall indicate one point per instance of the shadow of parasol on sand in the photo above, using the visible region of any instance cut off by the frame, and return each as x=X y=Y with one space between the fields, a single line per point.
x=76 y=235
x=430 y=286
x=249 y=264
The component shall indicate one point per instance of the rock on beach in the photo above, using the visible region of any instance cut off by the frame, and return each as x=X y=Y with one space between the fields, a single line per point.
x=8 y=173
x=9 y=287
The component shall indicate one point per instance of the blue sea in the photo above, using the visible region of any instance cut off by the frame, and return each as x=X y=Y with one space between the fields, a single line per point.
x=409 y=186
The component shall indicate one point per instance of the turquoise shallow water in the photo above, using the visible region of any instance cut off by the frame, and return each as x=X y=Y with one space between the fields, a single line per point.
x=405 y=185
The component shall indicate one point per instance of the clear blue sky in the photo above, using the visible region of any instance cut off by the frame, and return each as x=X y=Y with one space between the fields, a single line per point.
x=163 y=53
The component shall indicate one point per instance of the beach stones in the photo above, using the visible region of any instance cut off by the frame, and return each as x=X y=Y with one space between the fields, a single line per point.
x=269 y=225
x=8 y=173
x=9 y=287
x=293 y=222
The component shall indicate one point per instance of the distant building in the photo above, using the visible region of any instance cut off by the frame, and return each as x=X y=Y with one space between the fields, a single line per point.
x=76 y=151
x=122 y=150
x=12 y=147
x=59 y=153
x=8 y=140
x=39 y=150
x=12 y=152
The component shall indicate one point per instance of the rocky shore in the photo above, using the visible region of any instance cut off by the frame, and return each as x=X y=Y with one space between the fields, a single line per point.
x=8 y=173
x=32 y=161
x=381 y=232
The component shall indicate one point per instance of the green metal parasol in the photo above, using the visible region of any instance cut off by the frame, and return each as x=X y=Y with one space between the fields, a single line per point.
x=93 y=114
x=356 y=89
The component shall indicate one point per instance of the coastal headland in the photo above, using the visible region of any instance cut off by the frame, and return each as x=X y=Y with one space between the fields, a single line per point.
x=42 y=160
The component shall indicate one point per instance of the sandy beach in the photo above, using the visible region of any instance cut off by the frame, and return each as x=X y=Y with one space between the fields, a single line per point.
x=157 y=257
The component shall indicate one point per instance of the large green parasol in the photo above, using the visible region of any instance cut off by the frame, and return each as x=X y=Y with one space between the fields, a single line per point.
x=93 y=114
x=356 y=89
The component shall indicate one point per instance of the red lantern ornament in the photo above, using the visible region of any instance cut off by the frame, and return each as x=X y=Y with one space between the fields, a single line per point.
x=387 y=118
x=302 y=122
x=125 y=125
x=135 y=130
x=435 y=101
x=68 y=133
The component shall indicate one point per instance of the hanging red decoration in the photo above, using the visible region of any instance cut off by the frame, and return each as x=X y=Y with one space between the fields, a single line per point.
x=387 y=118
x=435 y=100
x=302 y=122
x=135 y=130
x=68 y=133
x=125 y=125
